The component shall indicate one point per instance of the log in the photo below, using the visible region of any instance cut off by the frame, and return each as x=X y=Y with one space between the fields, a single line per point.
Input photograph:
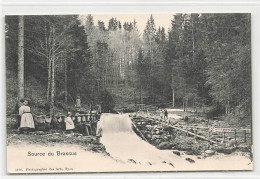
x=139 y=132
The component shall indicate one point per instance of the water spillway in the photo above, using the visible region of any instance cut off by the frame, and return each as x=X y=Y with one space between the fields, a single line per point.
x=122 y=143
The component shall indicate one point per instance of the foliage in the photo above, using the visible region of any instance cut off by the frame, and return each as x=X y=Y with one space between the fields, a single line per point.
x=203 y=59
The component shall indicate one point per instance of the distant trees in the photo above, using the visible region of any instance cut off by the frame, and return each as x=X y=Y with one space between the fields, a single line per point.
x=229 y=61
x=203 y=59
x=207 y=53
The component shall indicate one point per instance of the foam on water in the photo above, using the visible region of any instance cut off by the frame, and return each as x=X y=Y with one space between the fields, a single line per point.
x=123 y=144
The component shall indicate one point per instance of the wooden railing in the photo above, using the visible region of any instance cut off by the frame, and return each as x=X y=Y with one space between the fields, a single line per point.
x=209 y=133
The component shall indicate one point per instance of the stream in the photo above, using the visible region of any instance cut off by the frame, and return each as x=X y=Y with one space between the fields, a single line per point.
x=123 y=144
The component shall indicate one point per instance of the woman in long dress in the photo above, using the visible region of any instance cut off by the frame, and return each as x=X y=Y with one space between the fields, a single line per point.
x=27 y=122
x=69 y=123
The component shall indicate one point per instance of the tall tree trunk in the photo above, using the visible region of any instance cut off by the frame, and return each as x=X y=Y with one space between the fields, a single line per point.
x=193 y=46
x=52 y=79
x=183 y=104
x=49 y=78
x=21 y=58
x=173 y=96
x=151 y=68
x=66 y=81
x=228 y=104
x=52 y=87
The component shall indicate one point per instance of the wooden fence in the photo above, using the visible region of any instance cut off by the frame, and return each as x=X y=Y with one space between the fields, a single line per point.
x=212 y=134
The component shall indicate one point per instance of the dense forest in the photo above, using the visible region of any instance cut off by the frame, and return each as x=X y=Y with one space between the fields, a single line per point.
x=201 y=61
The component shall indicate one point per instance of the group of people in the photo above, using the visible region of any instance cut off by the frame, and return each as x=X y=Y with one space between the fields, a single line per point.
x=164 y=114
x=83 y=123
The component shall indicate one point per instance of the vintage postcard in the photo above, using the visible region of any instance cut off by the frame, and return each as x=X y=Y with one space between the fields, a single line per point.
x=128 y=92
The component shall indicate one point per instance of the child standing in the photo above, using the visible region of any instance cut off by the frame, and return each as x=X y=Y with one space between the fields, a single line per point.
x=69 y=123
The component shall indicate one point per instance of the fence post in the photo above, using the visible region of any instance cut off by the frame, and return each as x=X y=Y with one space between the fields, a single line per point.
x=223 y=135
x=244 y=136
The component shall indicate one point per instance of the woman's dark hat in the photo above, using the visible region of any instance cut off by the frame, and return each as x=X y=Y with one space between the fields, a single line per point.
x=24 y=99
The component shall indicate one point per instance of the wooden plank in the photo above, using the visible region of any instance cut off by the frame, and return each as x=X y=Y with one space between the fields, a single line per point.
x=139 y=131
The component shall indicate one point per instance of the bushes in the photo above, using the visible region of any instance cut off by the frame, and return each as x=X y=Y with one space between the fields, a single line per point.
x=107 y=101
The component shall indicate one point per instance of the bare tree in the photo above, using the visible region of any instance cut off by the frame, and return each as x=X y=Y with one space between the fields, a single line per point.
x=21 y=58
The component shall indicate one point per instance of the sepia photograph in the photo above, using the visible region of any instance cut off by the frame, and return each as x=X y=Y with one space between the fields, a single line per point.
x=128 y=93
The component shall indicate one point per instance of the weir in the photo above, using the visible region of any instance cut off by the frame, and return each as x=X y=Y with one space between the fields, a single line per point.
x=122 y=143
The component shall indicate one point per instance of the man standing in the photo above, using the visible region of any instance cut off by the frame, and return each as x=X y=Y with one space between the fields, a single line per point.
x=166 y=115
x=78 y=104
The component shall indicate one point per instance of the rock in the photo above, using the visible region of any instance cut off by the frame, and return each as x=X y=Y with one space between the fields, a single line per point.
x=164 y=145
x=155 y=137
x=39 y=132
x=149 y=136
x=244 y=148
x=190 y=160
x=171 y=165
x=131 y=160
x=55 y=140
x=169 y=136
x=176 y=152
x=227 y=150
x=163 y=162
x=157 y=141
x=210 y=152
x=95 y=142
x=189 y=152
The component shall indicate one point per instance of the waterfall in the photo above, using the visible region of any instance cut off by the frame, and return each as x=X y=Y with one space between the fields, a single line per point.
x=123 y=144
x=114 y=123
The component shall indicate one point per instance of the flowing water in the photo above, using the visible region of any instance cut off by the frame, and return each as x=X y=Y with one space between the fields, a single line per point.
x=125 y=146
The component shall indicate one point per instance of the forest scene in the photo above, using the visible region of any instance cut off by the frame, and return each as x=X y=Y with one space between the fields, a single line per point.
x=199 y=69
x=203 y=60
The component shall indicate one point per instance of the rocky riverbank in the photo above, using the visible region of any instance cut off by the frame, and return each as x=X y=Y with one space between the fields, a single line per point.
x=51 y=138
x=154 y=130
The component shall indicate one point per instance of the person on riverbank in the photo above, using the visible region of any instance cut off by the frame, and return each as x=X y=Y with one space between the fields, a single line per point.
x=69 y=123
x=27 y=122
x=161 y=114
x=166 y=115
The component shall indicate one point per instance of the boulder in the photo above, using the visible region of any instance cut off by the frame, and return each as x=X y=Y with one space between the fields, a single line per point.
x=157 y=141
x=155 y=137
x=227 y=150
x=165 y=145
x=189 y=152
x=176 y=152
x=39 y=133
x=131 y=160
x=171 y=164
x=210 y=152
x=190 y=160
x=244 y=148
